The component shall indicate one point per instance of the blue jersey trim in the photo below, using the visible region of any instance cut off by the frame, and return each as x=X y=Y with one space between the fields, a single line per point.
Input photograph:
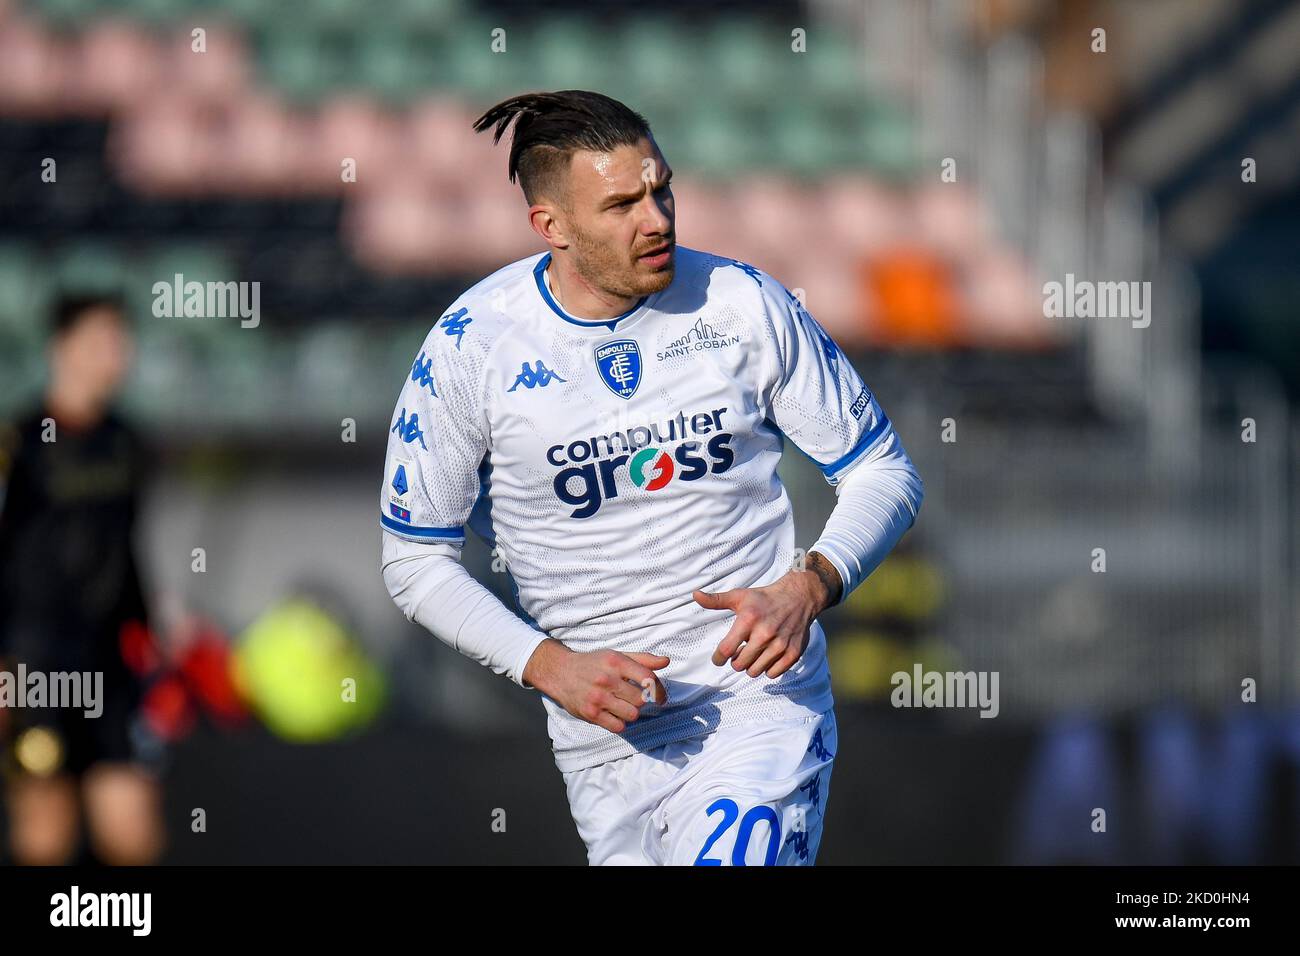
x=418 y=532
x=864 y=444
x=555 y=306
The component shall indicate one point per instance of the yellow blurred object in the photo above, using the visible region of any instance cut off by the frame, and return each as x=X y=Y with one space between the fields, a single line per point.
x=39 y=751
x=863 y=662
x=905 y=587
x=304 y=675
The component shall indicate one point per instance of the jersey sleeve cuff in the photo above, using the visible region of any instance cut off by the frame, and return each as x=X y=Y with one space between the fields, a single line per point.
x=837 y=469
x=425 y=533
x=517 y=672
x=837 y=561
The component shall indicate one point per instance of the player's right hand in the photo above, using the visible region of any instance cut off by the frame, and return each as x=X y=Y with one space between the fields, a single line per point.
x=606 y=688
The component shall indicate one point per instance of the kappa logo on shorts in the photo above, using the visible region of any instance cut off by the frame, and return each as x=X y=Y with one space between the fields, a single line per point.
x=818 y=747
x=814 y=790
x=799 y=838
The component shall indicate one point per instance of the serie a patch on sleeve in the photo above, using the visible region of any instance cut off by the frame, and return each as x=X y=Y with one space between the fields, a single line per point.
x=399 y=490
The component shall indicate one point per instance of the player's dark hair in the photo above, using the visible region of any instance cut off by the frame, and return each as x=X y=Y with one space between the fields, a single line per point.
x=550 y=126
x=70 y=308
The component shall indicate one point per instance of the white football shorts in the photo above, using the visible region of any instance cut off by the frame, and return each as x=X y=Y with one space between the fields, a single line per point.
x=752 y=795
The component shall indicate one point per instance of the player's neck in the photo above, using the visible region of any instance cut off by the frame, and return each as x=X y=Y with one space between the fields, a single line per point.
x=579 y=298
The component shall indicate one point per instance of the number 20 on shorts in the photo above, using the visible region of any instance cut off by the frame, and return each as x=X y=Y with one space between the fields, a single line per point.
x=729 y=814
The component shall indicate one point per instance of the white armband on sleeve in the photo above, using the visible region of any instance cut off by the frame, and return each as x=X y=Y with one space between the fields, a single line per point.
x=877 y=501
x=432 y=587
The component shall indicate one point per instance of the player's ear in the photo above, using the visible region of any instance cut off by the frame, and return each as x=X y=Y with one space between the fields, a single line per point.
x=541 y=216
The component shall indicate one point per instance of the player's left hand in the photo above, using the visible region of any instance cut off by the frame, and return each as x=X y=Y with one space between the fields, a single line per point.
x=770 y=631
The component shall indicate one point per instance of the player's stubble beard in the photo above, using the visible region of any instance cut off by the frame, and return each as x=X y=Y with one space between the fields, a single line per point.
x=613 y=273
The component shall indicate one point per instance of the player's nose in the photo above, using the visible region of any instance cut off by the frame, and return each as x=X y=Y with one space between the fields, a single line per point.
x=659 y=220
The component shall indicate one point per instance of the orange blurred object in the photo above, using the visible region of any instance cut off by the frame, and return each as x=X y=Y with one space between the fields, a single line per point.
x=916 y=302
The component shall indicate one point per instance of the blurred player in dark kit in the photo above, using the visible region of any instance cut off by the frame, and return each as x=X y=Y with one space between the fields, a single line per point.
x=71 y=601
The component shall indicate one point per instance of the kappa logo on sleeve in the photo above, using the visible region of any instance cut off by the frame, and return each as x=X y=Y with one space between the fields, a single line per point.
x=829 y=348
x=746 y=268
x=455 y=323
x=408 y=429
x=422 y=373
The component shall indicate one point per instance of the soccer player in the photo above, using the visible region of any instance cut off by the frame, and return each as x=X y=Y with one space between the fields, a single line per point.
x=70 y=472
x=609 y=415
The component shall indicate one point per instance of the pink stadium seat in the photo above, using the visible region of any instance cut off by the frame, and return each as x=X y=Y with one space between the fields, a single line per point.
x=219 y=74
x=435 y=139
x=159 y=148
x=358 y=128
x=33 y=68
x=950 y=218
x=1005 y=306
x=266 y=140
x=767 y=214
x=703 y=215
x=112 y=64
x=397 y=230
x=860 y=213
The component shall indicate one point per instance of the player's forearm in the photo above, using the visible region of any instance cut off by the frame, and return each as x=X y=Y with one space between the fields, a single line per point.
x=877 y=502
x=544 y=664
x=436 y=591
x=827 y=582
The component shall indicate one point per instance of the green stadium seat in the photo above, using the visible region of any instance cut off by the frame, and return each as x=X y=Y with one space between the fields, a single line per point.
x=244 y=373
x=195 y=263
x=747 y=60
x=385 y=64
x=91 y=267
x=253 y=14
x=343 y=15
x=66 y=12
x=891 y=142
x=801 y=140
x=25 y=291
x=832 y=67
x=720 y=141
x=425 y=15
x=151 y=11
x=565 y=52
x=659 y=62
x=474 y=68
x=303 y=65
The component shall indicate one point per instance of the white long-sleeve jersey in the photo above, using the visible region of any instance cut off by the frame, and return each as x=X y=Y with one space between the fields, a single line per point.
x=619 y=465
